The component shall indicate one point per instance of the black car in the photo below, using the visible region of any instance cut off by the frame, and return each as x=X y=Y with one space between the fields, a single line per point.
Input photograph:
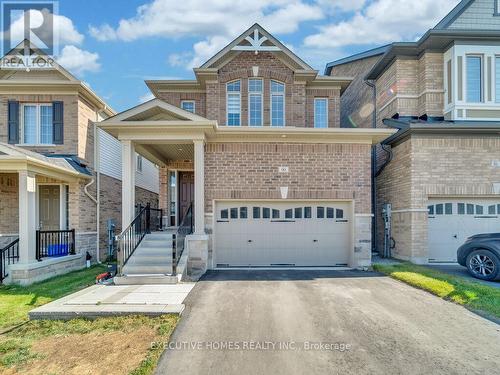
x=481 y=255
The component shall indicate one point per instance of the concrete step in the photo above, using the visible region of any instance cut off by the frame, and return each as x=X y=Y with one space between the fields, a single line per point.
x=147 y=279
x=152 y=249
x=130 y=269
x=151 y=258
x=158 y=236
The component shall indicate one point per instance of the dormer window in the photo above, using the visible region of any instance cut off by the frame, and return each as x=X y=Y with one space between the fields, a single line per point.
x=188 y=105
x=233 y=103
x=255 y=89
x=277 y=103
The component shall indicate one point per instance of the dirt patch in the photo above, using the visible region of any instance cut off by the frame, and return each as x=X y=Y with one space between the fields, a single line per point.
x=93 y=353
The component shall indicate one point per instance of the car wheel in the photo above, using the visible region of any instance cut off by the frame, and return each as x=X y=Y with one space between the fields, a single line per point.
x=483 y=264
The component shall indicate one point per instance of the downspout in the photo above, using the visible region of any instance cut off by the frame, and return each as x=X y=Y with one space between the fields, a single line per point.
x=374 y=167
x=95 y=200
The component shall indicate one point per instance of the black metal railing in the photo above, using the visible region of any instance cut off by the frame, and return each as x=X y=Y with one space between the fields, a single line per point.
x=54 y=243
x=8 y=255
x=147 y=218
x=184 y=229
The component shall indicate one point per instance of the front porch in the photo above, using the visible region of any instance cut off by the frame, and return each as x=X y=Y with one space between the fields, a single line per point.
x=37 y=238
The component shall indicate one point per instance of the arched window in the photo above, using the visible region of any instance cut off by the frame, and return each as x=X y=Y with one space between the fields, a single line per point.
x=255 y=90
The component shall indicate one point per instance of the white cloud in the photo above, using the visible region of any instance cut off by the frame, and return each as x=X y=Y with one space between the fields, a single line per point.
x=146 y=97
x=383 y=21
x=342 y=5
x=174 y=19
x=78 y=61
x=216 y=21
x=65 y=30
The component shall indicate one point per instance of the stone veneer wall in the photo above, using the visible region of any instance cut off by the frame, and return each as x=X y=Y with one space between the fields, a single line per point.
x=426 y=166
x=9 y=203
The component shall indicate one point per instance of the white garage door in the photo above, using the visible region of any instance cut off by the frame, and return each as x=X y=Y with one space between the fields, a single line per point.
x=282 y=233
x=452 y=221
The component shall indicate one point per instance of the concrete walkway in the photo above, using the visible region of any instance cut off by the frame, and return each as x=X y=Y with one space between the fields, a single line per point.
x=114 y=300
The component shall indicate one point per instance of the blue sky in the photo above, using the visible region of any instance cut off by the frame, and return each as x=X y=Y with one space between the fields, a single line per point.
x=114 y=45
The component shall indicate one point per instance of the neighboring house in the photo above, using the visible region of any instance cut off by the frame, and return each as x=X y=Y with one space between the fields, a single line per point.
x=256 y=143
x=48 y=173
x=441 y=171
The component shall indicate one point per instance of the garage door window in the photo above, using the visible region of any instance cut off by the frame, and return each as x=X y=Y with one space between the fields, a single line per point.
x=256 y=212
x=289 y=214
x=330 y=213
x=339 y=213
x=276 y=214
x=298 y=213
x=243 y=213
x=224 y=214
x=320 y=212
x=307 y=212
x=266 y=213
x=234 y=213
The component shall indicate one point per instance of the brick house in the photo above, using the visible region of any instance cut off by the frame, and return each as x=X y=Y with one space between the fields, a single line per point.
x=255 y=142
x=441 y=171
x=57 y=173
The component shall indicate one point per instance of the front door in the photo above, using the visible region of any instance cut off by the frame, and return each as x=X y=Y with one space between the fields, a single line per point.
x=186 y=192
x=49 y=207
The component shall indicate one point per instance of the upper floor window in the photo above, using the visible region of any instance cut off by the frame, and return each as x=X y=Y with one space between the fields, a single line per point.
x=37 y=126
x=497 y=8
x=255 y=89
x=277 y=103
x=320 y=112
x=233 y=103
x=188 y=105
x=474 y=79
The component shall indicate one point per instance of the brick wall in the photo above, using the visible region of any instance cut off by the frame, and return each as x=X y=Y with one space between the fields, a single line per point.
x=175 y=98
x=426 y=166
x=356 y=103
x=316 y=171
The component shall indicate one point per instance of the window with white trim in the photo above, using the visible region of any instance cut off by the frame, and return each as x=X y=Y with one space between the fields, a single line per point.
x=36 y=124
x=474 y=79
x=255 y=90
x=233 y=107
x=188 y=105
x=320 y=112
x=277 y=103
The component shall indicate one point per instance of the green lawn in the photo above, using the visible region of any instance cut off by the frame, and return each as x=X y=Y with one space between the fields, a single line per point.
x=16 y=301
x=115 y=345
x=473 y=295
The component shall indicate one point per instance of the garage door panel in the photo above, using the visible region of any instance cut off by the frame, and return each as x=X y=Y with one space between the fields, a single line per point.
x=274 y=233
x=452 y=221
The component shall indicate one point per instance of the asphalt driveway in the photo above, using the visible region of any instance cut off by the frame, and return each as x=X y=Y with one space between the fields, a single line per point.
x=325 y=322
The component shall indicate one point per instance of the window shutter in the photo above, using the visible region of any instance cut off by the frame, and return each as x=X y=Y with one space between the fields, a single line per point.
x=13 y=120
x=57 y=123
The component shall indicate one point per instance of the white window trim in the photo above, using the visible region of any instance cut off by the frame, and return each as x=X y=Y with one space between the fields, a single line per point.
x=189 y=101
x=482 y=78
x=261 y=93
x=496 y=98
x=271 y=103
x=227 y=101
x=314 y=112
x=38 y=125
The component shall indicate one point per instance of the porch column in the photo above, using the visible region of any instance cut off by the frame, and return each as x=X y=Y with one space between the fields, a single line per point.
x=128 y=183
x=27 y=217
x=199 y=187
